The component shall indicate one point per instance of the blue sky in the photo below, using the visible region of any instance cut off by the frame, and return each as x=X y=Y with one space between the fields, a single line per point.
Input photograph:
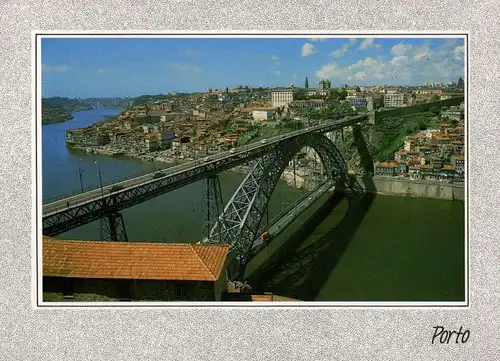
x=109 y=67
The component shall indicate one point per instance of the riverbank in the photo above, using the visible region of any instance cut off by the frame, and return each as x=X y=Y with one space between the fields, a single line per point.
x=159 y=156
x=417 y=188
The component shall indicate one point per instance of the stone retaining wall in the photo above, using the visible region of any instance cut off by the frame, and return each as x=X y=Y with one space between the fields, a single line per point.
x=418 y=188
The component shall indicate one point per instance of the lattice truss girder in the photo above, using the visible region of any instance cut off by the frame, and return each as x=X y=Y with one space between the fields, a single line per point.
x=242 y=215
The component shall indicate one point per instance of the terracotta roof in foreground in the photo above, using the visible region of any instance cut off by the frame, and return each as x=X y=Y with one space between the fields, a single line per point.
x=250 y=297
x=133 y=260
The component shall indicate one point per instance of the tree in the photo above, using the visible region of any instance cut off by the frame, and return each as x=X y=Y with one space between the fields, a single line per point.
x=306 y=85
x=460 y=82
x=146 y=109
x=434 y=98
x=358 y=89
x=227 y=90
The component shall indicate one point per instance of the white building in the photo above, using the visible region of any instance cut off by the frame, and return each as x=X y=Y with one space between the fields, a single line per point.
x=395 y=100
x=281 y=97
x=264 y=113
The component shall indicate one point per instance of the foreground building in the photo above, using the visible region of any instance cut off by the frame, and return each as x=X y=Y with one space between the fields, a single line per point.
x=134 y=270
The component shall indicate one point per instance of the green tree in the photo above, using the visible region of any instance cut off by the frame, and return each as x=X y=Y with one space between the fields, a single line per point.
x=342 y=94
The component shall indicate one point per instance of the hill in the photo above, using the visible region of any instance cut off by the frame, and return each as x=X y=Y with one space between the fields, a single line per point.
x=57 y=109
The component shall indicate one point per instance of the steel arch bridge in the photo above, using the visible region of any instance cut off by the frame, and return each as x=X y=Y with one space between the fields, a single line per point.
x=239 y=222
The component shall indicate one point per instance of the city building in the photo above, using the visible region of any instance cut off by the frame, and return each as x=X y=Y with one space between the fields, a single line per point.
x=151 y=142
x=387 y=168
x=352 y=91
x=324 y=84
x=262 y=113
x=394 y=100
x=311 y=103
x=457 y=162
x=358 y=102
x=281 y=97
x=135 y=270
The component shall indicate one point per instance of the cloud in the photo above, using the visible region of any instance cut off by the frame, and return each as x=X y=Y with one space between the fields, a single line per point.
x=367 y=43
x=318 y=39
x=308 y=49
x=403 y=65
x=105 y=70
x=341 y=51
x=422 y=52
x=360 y=75
x=55 y=68
x=183 y=66
x=401 y=49
x=398 y=59
x=274 y=58
x=278 y=73
x=459 y=53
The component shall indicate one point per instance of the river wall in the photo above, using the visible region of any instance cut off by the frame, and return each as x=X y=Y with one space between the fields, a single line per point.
x=417 y=188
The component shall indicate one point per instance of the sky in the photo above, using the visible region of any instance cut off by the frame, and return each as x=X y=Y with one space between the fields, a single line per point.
x=120 y=67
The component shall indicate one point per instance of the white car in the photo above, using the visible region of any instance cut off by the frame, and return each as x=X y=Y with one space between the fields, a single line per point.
x=206 y=159
x=263 y=141
x=232 y=150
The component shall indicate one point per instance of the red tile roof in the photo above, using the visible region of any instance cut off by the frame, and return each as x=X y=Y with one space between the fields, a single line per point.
x=270 y=298
x=133 y=260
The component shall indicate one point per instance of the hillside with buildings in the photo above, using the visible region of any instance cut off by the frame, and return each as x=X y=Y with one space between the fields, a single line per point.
x=177 y=127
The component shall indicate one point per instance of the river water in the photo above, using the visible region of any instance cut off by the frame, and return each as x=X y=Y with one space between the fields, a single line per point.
x=395 y=249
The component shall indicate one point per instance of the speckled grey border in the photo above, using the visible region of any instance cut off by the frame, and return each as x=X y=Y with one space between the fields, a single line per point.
x=242 y=333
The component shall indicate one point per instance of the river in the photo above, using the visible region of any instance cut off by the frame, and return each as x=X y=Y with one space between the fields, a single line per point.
x=394 y=249
x=168 y=218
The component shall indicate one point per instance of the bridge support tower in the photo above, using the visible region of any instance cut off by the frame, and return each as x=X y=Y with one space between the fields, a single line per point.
x=113 y=228
x=212 y=206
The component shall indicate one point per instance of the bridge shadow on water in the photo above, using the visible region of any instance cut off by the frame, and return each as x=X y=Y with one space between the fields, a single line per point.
x=300 y=271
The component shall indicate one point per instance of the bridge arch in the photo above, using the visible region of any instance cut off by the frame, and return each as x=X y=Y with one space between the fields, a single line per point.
x=238 y=224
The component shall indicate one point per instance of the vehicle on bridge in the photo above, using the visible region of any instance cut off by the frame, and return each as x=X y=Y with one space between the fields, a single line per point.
x=263 y=141
x=266 y=236
x=115 y=188
x=158 y=175
x=232 y=150
x=206 y=159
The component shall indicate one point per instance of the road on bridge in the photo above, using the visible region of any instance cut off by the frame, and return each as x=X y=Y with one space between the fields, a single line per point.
x=55 y=207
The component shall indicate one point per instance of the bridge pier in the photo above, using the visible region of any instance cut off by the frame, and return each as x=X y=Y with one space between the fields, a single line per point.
x=212 y=206
x=113 y=228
